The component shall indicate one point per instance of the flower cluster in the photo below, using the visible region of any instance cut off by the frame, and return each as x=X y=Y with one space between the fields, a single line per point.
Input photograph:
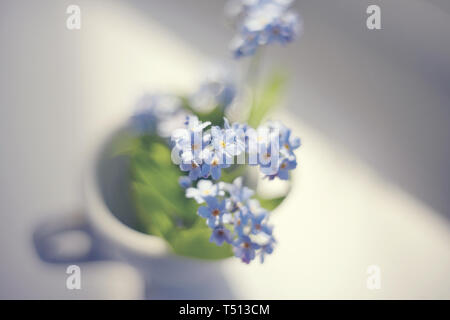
x=234 y=218
x=231 y=213
x=263 y=22
x=276 y=138
x=203 y=154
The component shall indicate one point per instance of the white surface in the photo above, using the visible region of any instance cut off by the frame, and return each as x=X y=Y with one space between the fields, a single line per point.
x=340 y=219
x=60 y=88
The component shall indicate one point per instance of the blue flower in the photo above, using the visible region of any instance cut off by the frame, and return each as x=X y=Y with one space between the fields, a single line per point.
x=192 y=123
x=268 y=158
x=224 y=141
x=258 y=224
x=244 y=44
x=266 y=248
x=240 y=221
x=239 y=132
x=213 y=212
x=194 y=169
x=288 y=144
x=189 y=144
x=214 y=163
x=286 y=165
x=205 y=188
x=239 y=194
x=220 y=235
x=264 y=22
x=244 y=249
x=185 y=182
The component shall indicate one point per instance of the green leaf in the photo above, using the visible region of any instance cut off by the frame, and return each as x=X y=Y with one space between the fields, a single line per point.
x=215 y=116
x=270 y=204
x=195 y=243
x=267 y=98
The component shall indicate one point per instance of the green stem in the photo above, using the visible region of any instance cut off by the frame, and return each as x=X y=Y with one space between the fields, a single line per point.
x=252 y=79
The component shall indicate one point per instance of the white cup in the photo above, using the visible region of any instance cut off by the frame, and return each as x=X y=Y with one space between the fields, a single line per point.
x=106 y=219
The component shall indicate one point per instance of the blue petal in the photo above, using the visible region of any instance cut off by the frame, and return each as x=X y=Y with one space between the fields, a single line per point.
x=295 y=143
x=205 y=170
x=212 y=202
x=204 y=212
x=211 y=222
x=283 y=174
x=216 y=172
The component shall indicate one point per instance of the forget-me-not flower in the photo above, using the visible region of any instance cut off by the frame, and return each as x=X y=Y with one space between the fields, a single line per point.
x=214 y=162
x=213 y=212
x=184 y=182
x=220 y=235
x=205 y=188
x=244 y=249
x=264 y=22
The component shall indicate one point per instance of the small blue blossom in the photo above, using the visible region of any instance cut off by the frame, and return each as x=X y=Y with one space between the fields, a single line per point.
x=238 y=131
x=266 y=248
x=205 y=188
x=244 y=248
x=192 y=123
x=214 y=163
x=269 y=156
x=190 y=143
x=288 y=144
x=240 y=221
x=245 y=44
x=239 y=194
x=220 y=235
x=213 y=212
x=264 y=22
x=258 y=224
x=225 y=141
x=286 y=165
x=185 y=182
x=194 y=169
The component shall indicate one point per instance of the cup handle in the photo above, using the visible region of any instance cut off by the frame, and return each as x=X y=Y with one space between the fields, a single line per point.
x=66 y=238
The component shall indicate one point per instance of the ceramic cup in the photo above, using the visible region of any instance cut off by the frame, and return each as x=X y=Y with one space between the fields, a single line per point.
x=108 y=220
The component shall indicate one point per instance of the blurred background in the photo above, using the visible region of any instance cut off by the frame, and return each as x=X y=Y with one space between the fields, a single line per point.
x=372 y=109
